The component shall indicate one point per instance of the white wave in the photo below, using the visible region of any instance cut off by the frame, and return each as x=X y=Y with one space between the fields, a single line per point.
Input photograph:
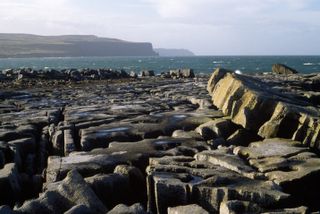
x=308 y=63
x=237 y=72
x=217 y=62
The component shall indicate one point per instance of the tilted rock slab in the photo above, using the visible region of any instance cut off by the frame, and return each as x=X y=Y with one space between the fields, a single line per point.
x=267 y=107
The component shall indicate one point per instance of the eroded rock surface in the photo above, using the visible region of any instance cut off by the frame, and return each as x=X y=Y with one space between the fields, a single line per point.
x=270 y=105
x=143 y=145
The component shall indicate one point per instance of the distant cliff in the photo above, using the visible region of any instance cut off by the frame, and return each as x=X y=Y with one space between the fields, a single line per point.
x=173 y=52
x=27 y=45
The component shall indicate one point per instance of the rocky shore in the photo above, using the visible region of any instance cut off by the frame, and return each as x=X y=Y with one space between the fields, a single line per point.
x=113 y=142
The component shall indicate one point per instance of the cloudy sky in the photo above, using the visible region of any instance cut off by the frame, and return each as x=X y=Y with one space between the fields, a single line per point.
x=207 y=27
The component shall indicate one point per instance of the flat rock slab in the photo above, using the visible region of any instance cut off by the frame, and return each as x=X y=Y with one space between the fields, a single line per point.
x=271 y=148
x=289 y=165
x=271 y=105
x=105 y=160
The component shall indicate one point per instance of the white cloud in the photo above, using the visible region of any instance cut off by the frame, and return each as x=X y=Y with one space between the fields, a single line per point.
x=201 y=25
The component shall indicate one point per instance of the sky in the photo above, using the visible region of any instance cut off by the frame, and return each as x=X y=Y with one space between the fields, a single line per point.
x=206 y=27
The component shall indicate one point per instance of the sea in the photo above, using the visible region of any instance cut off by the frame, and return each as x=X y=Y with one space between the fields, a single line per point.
x=200 y=64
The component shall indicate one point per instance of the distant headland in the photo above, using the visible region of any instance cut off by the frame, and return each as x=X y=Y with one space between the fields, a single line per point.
x=28 y=45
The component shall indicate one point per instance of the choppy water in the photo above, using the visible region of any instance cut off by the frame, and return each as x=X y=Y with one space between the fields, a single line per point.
x=201 y=64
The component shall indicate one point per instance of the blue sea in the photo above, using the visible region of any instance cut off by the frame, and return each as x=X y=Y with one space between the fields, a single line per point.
x=200 y=64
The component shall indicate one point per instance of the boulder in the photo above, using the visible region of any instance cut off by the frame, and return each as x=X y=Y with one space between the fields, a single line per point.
x=283 y=69
x=147 y=73
x=181 y=73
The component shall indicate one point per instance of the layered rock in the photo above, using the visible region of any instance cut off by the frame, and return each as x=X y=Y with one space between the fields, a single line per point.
x=272 y=106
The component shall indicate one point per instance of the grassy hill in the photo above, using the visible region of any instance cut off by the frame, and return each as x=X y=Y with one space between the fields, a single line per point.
x=27 y=45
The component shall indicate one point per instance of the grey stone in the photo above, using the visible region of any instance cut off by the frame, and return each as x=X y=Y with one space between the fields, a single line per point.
x=187 y=209
x=234 y=206
x=124 y=209
x=173 y=181
x=10 y=184
x=79 y=209
x=62 y=196
x=112 y=189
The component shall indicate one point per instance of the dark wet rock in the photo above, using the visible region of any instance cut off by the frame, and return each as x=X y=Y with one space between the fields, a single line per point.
x=181 y=73
x=75 y=75
x=147 y=73
x=6 y=210
x=187 y=209
x=283 y=69
x=124 y=209
x=267 y=105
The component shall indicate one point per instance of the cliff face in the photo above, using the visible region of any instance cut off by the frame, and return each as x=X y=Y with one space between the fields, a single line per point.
x=173 y=52
x=26 y=45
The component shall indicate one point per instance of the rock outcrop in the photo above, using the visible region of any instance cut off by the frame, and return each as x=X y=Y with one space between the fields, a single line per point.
x=283 y=69
x=269 y=105
x=149 y=145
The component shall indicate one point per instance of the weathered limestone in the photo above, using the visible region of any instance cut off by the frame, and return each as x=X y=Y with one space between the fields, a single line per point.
x=106 y=160
x=266 y=106
x=10 y=185
x=124 y=209
x=188 y=209
x=294 y=168
x=180 y=180
x=158 y=142
x=61 y=197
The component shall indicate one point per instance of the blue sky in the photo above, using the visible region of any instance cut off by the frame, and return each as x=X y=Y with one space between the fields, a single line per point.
x=207 y=27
